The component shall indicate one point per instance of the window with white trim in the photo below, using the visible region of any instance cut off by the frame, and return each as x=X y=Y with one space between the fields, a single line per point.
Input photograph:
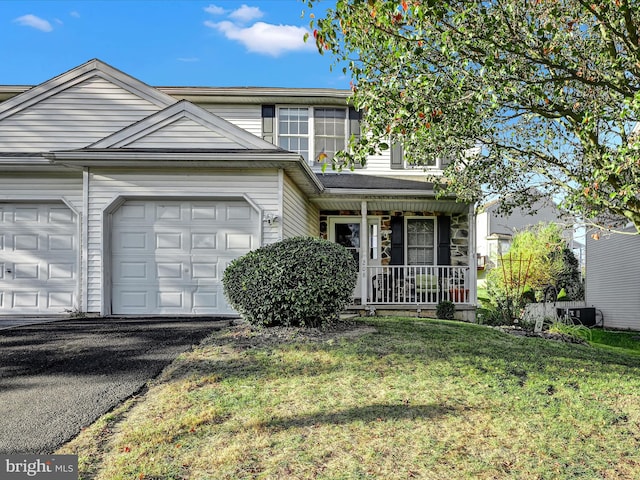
x=293 y=130
x=316 y=133
x=421 y=241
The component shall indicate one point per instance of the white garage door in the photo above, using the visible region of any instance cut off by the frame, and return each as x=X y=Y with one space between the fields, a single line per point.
x=38 y=258
x=168 y=257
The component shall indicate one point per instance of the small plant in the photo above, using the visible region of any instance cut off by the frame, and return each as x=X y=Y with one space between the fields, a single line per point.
x=579 y=332
x=446 y=310
x=300 y=281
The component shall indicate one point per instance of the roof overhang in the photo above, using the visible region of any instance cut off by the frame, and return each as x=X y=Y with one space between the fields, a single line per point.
x=259 y=95
x=292 y=163
x=347 y=191
x=32 y=162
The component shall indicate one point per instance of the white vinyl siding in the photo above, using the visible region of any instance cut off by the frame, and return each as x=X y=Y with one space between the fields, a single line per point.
x=613 y=279
x=300 y=217
x=248 y=117
x=260 y=186
x=182 y=133
x=74 y=118
x=23 y=186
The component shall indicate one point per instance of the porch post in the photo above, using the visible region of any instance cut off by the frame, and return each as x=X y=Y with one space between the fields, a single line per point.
x=473 y=256
x=364 y=251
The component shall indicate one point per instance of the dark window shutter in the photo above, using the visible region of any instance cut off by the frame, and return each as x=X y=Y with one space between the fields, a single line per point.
x=268 y=118
x=397 y=160
x=397 y=241
x=354 y=127
x=444 y=240
x=444 y=162
x=354 y=122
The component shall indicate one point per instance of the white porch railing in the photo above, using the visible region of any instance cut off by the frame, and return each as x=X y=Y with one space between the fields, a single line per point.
x=417 y=284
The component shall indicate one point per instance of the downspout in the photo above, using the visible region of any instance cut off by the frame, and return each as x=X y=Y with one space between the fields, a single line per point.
x=84 y=242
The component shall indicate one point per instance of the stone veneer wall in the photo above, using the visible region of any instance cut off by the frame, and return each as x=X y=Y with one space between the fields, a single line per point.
x=459 y=232
x=460 y=239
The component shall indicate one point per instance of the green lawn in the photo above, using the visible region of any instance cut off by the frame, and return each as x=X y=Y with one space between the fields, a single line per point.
x=408 y=398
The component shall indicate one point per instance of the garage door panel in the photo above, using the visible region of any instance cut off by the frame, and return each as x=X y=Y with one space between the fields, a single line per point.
x=238 y=212
x=132 y=240
x=206 y=211
x=132 y=271
x=26 y=242
x=169 y=270
x=26 y=299
x=60 y=271
x=204 y=270
x=26 y=271
x=38 y=258
x=169 y=241
x=182 y=247
x=60 y=300
x=239 y=241
x=62 y=242
x=202 y=241
x=171 y=300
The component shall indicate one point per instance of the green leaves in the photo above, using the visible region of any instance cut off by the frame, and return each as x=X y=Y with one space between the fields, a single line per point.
x=545 y=87
x=300 y=281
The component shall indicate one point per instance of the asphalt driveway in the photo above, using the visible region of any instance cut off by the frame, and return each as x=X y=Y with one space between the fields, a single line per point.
x=56 y=378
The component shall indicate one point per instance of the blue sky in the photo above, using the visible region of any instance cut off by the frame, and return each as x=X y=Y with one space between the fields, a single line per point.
x=166 y=43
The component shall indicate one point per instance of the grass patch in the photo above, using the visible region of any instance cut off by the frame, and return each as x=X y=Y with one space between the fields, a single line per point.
x=408 y=398
x=623 y=342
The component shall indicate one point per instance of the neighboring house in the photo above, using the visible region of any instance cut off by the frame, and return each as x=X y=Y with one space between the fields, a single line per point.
x=612 y=282
x=495 y=231
x=118 y=198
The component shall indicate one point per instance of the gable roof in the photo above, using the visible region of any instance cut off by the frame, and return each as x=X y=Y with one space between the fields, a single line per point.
x=75 y=76
x=185 y=126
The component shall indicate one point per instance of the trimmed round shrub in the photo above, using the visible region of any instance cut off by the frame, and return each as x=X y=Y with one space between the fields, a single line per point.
x=302 y=281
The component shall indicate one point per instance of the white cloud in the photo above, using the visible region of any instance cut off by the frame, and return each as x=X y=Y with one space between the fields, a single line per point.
x=215 y=10
x=74 y=14
x=265 y=38
x=34 y=22
x=246 y=14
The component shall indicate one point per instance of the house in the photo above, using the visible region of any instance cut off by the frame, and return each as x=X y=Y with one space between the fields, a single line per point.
x=611 y=277
x=118 y=198
x=495 y=230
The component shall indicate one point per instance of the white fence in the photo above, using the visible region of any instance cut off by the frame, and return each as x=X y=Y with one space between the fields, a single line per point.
x=536 y=313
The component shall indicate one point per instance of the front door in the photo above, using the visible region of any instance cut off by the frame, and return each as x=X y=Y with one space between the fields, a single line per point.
x=346 y=231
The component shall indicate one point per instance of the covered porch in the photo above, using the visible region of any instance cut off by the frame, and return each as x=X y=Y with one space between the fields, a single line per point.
x=413 y=250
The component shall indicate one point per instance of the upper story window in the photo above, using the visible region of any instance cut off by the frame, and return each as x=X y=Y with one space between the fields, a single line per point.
x=330 y=131
x=316 y=133
x=399 y=160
